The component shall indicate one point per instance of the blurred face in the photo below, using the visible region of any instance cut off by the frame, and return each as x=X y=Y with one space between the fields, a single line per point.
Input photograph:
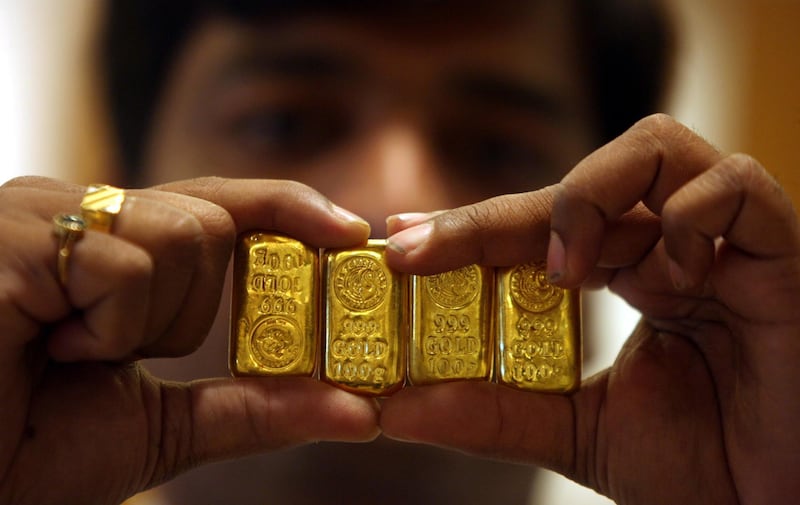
x=437 y=108
x=382 y=112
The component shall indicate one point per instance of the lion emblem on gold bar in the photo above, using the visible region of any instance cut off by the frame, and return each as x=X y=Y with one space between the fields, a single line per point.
x=454 y=289
x=531 y=290
x=276 y=343
x=360 y=283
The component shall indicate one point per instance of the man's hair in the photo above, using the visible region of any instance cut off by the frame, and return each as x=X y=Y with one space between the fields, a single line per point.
x=628 y=47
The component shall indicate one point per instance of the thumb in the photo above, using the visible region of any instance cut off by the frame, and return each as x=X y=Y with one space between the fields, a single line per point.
x=218 y=419
x=496 y=421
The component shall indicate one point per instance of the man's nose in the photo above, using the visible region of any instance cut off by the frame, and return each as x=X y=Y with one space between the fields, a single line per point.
x=395 y=171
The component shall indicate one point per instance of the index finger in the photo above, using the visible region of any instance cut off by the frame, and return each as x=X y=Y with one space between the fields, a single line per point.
x=646 y=164
x=278 y=205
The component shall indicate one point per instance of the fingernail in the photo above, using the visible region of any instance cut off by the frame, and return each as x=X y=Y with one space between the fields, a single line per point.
x=398 y=222
x=556 y=258
x=407 y=219
x=409 y=239
x=348 y=216
x=680 y=280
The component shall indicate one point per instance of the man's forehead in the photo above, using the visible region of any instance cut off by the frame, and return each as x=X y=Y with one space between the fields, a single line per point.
x=481 y=26
x=327 y=67
x=421 y=18
x=534 y=55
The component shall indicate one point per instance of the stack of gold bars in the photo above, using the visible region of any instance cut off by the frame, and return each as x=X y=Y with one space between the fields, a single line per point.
x=374 y=330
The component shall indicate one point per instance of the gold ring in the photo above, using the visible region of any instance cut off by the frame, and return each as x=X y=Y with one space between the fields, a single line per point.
x=100 y=205
x=69 y=229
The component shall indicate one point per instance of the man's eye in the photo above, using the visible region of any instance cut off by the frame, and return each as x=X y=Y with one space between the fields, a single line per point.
x=489 y=151
x=290 y=133
x=488 y=154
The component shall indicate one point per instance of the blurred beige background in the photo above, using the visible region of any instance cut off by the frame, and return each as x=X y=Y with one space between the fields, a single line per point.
x=736 y=83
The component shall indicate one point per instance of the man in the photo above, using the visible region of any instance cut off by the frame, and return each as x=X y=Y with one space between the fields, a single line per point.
x=385 y=117
x=384 y=109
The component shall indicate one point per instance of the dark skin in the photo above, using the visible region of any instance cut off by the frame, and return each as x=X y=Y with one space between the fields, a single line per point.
x=698 y=408
x=382 y=115
x=78 y=390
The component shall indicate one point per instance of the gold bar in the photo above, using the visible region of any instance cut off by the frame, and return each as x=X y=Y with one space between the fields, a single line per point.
x=365 y=324
x=274 y=306
x=451 y=330
x=539 y=331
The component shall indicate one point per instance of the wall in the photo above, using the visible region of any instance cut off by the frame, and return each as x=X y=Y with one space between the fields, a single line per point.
x=737 y=84
x=770 y=103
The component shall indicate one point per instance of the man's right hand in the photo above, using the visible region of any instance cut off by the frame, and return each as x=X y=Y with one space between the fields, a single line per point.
x=82 y=422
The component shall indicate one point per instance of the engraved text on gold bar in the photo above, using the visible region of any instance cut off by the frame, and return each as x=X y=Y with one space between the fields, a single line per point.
x=451 y=330
x=474 y=322
x=538 y=330
x=365 y=327
x=274 y=310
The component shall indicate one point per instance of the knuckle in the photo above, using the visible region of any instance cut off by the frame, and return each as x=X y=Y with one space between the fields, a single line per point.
x=199 y=217
x=510 y=430
x=211 y=184
x=477 y=219
x=25 y=181
x=137 y=268
x=297 y=188
x=741 y=172
x=478 y=216
x=536 y=204
x=663 y=132
x=655 y=129
x=217 y=222
x=204 y=188
x=299 y=192
x=658 y=122
x=746 y=170
x=664 y=128
x=752 y=177
x=171 y=421
x=184 y=228
x=675 y=215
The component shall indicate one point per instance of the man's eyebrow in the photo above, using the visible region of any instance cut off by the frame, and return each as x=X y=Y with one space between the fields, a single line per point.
x=501 y=92
x=295 y=63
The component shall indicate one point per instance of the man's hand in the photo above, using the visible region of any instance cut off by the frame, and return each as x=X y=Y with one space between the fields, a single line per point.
x=80 y=421
x=701 y=404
